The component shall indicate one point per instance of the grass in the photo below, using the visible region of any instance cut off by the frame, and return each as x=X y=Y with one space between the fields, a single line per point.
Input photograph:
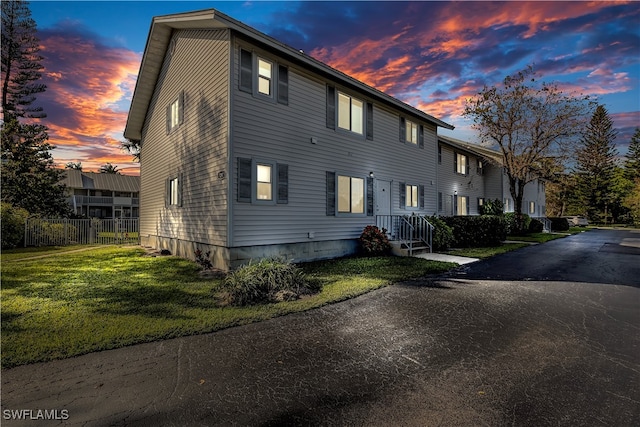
x=73 y=303
x=486 y=252
x=537 y=237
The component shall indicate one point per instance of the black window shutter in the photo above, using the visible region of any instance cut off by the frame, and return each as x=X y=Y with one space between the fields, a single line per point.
x=180 y=188
x=455 y=162
x=403 y=130
x=167 y=191
x=421 y=195
x=283 y=183
x=369 y=121
x=181 y=108
x=283 y=85
x=246 y=71
x=331 y=193
x=421 y=136
x=331 y=107
x=244 y=180
x=369 y=196
x=403 y=195
x=168 y=119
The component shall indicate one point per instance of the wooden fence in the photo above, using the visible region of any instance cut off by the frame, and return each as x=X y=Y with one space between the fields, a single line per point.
x=62 y=232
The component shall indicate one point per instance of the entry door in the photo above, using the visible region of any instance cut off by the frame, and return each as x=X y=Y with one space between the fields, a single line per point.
x=383 y=197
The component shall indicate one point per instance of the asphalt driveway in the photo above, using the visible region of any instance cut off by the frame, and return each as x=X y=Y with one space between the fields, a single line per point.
x=501 y=342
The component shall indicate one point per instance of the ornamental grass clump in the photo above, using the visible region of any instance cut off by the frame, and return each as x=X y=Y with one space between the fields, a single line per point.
x=267 y=281
x=374 y=241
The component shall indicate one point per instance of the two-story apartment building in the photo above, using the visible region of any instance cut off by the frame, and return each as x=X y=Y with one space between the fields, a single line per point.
x=469 y=174
x=102 y=195
x=251 y=148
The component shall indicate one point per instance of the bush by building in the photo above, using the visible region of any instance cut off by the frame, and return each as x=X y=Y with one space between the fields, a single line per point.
x=477 y=231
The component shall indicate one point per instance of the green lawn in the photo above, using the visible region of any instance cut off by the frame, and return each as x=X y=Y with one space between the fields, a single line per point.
x=73 y=303
x=486 y=252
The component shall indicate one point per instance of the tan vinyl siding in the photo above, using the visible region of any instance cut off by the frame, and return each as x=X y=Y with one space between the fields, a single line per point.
x=270 y=131
x=197 y=149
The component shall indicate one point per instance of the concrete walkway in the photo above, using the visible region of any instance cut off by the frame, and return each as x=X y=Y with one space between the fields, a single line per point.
x=447 y=258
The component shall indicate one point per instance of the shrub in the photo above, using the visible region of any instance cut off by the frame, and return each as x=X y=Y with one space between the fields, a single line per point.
x=559 y=224
x=536 y=226
x=269 y=280
x=477 y=231
x=374 y=241
x=492 y=207
x=512 y=226
x=442 y=233
x=12 y=220
x=203 y=259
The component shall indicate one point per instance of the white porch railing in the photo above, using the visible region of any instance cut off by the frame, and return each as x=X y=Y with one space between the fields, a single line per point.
x=413 y=232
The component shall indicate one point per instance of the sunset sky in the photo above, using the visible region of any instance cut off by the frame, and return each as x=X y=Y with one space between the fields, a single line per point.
x=433 y=55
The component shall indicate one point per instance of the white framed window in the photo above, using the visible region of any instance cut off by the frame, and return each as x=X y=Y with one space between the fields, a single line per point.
x=351 y=193
x=174 y=188
x=532 y=207
x=462 y=205
x=175 y=113
x=264 y=182
x=350 y=113
x=507 y=204
x=480 y=167
x=462 y=164
x=411 y=132
x=265 y=77
x=411 y=196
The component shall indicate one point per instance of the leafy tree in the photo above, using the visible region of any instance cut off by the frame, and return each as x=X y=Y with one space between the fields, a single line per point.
x=75 y=166
x=21 y=61
x=533 y=124
x=632 y=202
x=29 y=179
x=109 y=168
x=595 y=167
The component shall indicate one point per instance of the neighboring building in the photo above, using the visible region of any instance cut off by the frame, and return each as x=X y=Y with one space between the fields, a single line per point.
x=251 y=148
x=102 y=195
x=469 y=174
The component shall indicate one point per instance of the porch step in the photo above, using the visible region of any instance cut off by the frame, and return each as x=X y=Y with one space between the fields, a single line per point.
x=401 y=249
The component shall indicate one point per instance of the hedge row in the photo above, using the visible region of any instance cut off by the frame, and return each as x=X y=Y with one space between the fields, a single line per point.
x=476 y=231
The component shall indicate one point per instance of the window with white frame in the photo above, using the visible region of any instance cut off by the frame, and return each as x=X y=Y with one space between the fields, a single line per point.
x=532 y=207
x=480 y=204
x=480 y=167
x=463 y=205
x=264 y=181
x=351 y=191
x=173 y=191
x=265 y=77
x=175 y=113
x=350 y=113
x=411 y=132
x=411 y=196
x=462 y=164
x=507 y=205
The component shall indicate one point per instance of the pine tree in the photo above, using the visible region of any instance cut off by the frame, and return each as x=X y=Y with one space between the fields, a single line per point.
x=632 y=161
x=595 y=167
x=29 y=178
x=21 y=61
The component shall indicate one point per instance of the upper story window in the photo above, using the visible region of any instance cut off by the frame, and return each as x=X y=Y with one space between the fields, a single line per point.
x=175 y=113
x=350 y=113
x=439 y=154
x=480 y=167
x=411 y=132
x=461 y=164
x=263 y=78
x=173 y=191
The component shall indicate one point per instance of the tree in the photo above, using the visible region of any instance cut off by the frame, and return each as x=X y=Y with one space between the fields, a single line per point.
x=632 y=158
x=595 y=167
x=21 y=61
x=532 y=123
x=74 y=166
x=29 y=179
x=109 y=168
x=132 y=147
